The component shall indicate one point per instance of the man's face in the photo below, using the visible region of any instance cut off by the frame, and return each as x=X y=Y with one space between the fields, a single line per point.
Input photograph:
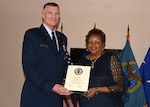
x=51 y=16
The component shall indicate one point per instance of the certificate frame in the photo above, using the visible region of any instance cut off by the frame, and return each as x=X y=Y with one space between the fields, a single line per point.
x=77 y=78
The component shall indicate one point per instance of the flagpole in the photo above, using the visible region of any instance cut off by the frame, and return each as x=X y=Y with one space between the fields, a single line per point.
x=61 y=28
x=128 y=35
x=95 y=26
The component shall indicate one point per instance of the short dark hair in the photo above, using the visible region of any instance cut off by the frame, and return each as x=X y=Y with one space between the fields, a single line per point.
x=98 y=32
x=50 y=4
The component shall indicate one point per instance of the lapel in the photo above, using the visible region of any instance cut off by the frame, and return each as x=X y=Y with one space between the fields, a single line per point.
x=47 y=39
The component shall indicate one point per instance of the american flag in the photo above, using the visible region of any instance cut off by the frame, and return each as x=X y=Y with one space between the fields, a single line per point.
x=67 y=101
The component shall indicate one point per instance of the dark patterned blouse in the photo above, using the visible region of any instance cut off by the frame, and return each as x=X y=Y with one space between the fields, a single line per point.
x=108 y=72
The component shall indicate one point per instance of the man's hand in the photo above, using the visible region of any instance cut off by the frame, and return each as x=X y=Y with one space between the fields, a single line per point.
x=59 y=89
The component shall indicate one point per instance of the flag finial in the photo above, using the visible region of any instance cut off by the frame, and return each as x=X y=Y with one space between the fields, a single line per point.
x=95 y=26
x=128 y=35
x=61 y=27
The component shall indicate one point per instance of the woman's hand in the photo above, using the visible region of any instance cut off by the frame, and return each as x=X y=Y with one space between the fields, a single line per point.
x=91 y=92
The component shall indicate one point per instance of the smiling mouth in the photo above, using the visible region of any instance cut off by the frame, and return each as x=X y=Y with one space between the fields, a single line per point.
x=93 y=48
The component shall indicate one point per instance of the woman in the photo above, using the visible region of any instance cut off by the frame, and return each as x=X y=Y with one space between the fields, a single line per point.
x=106 y=84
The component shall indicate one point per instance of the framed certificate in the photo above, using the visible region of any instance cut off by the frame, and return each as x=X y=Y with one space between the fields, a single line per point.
x=77 y=78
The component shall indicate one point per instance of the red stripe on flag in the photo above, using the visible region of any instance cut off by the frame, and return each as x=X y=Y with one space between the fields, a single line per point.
x=74 y=104
x=66 y=102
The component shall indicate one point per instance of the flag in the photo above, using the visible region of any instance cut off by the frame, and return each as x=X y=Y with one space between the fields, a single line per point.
x=135 y=90
x=67 y=101
x=145 y=74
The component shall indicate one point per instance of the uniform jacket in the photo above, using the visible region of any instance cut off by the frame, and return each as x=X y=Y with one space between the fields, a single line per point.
x=43 y=67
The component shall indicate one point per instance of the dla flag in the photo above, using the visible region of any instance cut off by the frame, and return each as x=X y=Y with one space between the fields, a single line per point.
x=130 y=68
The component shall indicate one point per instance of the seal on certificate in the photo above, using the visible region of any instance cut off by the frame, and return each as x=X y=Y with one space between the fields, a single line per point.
x=78 y=71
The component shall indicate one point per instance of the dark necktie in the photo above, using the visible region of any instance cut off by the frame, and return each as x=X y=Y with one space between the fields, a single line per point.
x=54 y=41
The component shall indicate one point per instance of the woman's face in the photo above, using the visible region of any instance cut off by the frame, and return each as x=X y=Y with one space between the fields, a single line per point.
x=95 y=45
